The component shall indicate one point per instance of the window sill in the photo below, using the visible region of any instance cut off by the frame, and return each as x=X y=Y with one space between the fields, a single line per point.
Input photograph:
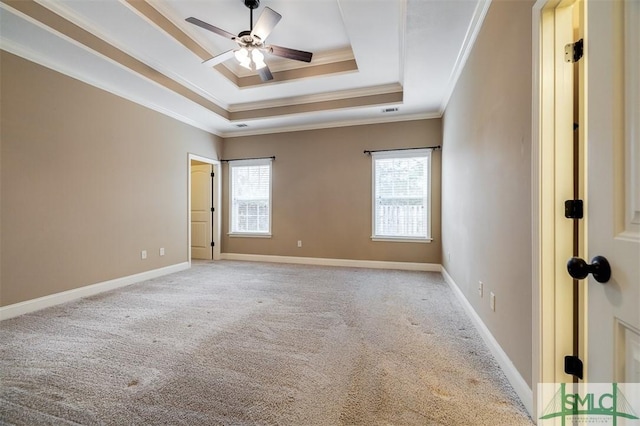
x=402 y=239
x=248 y=235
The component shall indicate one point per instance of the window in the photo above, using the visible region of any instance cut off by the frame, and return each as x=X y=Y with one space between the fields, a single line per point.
x=250 y=202
x=401 y=195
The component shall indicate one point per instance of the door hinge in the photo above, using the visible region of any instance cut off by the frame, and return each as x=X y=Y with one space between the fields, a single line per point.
x=573 y=209
x=213 y=209
x=573 y=366
x=212 y=174
x=213 y=244
x=573 y=52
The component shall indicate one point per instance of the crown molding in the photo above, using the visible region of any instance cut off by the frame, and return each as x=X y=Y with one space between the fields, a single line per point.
x=317 y=97
x=332 y=124
x=392 y=98
x=403 y=39
x=480 y=12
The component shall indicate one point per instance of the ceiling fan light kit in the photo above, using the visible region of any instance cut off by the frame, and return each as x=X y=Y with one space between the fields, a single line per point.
x=250 y=58
x=251 y=43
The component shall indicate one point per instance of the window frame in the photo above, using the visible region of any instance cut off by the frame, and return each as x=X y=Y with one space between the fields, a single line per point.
x=405 y=153
x=250 y=163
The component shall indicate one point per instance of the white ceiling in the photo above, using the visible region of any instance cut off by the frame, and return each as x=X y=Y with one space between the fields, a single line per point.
x=408 y=54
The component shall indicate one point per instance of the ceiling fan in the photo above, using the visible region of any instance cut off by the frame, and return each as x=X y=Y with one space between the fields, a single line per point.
x=251 y=43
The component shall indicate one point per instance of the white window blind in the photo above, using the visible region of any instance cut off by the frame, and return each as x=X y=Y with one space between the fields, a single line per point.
x=250 y=197
x=401 y=194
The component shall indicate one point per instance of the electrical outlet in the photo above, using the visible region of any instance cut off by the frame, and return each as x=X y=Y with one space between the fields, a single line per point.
x=480 y=288
x=161 y=251
x=493 y=302
x=143 y=254
x=299 y=243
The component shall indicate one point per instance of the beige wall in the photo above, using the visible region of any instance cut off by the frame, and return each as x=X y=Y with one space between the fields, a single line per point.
x=486 y=185
x=88 y=181
x=322 y=192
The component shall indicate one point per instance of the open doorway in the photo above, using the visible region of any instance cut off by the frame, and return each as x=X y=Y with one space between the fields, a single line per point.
x=559 y=167
x=203 y=208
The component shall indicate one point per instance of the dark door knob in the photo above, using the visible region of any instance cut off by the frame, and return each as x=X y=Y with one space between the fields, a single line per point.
x=599 y=268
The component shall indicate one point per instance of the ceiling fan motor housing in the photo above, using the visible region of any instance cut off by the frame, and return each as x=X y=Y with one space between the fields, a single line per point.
x=252 y=4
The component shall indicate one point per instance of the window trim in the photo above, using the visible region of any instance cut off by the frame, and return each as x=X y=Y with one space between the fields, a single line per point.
x=245 y=163
x=401 y=154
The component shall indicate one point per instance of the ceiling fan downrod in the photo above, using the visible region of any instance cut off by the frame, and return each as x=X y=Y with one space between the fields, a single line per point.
x=251 y=4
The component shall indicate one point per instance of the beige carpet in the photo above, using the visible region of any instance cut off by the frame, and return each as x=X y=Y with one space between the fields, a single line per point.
x=235 y=343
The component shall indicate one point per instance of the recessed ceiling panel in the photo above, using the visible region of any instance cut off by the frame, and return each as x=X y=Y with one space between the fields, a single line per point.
x=303 y=25
x=368 y=54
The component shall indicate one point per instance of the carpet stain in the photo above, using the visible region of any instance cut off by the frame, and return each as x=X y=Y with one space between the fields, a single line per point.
x=442 y=393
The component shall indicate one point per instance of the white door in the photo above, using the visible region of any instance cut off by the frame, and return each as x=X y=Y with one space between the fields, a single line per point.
x=201 y=214
x=613 y=189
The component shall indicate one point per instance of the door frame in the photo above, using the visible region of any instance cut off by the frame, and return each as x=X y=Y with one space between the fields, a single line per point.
x=217 y=201
x=552 y=183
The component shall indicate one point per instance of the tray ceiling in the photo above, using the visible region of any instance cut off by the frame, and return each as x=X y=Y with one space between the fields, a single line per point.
x=402 y=56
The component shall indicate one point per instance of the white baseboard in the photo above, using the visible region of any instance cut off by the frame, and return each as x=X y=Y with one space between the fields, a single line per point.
x=33 y=305
x=513 y=375
x=373 y=264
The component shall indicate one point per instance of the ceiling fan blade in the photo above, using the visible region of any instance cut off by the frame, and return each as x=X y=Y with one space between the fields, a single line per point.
x=218 y=59
x=285 y=52
x=265 y=73
x=202 y=24
x=266 y=22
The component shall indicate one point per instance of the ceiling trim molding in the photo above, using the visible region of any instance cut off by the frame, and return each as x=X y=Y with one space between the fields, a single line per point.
x=317 y=97
x=154 y=16
x=480 y=12
x=319 y=58
x=403 y=39
x=362 y=101
x=331 y=124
